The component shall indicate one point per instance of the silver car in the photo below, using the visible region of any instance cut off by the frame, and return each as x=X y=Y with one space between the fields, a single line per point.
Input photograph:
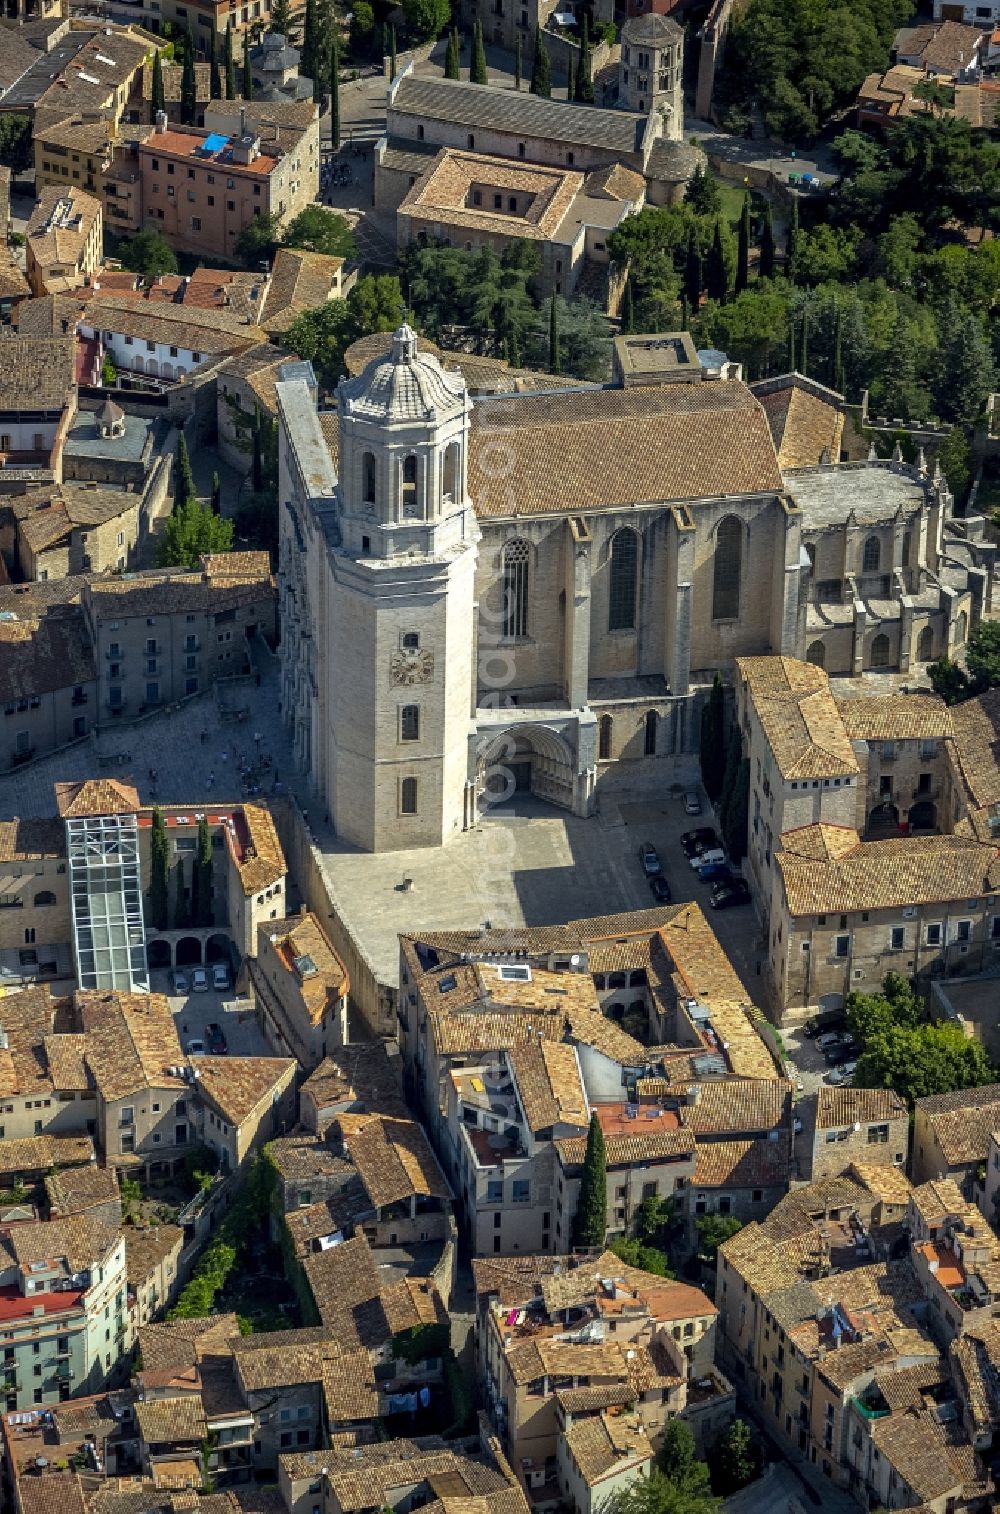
x=199 y=981
x=692 y=803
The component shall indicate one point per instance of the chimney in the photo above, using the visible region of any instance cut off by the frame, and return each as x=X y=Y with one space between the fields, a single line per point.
x=161 y=121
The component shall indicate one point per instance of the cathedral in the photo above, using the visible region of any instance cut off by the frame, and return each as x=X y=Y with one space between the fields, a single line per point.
x=532 y=591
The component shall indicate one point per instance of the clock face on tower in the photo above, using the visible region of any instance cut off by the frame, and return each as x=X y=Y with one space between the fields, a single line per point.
x=411 y=666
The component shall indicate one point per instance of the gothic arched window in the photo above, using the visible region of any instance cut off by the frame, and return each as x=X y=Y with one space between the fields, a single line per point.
x=408 y=796
x=649 y=740
x=726 y=569
x=409 y=722
x=816 y=653
x=368 y=478
x=907 y=543
x=450 y=485
x=925 y=645
x=624 y=560
x=604 y=732
x=514 y=560
x=961 y=628
x=872 y=555
x=410 y=509
x=880 y=651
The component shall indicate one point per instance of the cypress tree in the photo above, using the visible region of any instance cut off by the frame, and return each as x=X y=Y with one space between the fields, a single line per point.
x=692 y=272
x=159 y=882
x=477 y=68
x=514 y=348
x=158 y=100
x=837 y=363
x=180 y=898
x=571 y=78
x=734 y=756
x=627 y=323
x=189 y=88
x=766 y=265
x=804 y=358
x=584 y=91
x=734 y=826
x=308 y=58
x=202 y=879
x=743 y=253
x=590 y=1223
x=791 y=342
x=392 y=52
x=453 y=58
x=247 y=75
x=257 y=466
x=281 y=19
x=184 y=490
x=541 y=74
x=517 y=62
x=335 y=93
x=553 y=336
x=215 y=87
x=716 y=281
x=713 y=735
x=194 y=910
x=793 y=232
x=230 y=65
x=216 y=495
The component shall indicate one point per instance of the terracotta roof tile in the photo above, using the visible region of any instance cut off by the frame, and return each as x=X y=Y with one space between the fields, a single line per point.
x=847 y=1106
x=963 y=1121
x=884 y=874
x=740 y=1164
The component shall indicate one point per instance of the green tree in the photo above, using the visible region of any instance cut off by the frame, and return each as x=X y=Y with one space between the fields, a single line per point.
x=518 y=62
x=590 y=1223
x=453 y=56
x=766 y=264
x=730 y=773
x=317 y=229
x=966 y=374
x=392 y=52
x=229 y=62
x=982 y=655
x=553 y=336
x=703 y=193
x=335 y=93
x=189 y=88
x=477 y=67
x=323 y=335
x=215 y=74
x=426 y=18
x=791 y=239
x=658 y=1494
x=148 y=254
x=191 y=530
x=693 y=272
x=362 y=28
x=159 y=872
x=736 y=1459
x=184 y=489
x=753 y=329
x=181 y=916
x=109 y=373
x=626 y=323
x=541 y=73
x=677 y=1457
x=258 y=241
x=949 y=680
x=929 y=1059
x=716 y=272
x=15 y=142
x=734 y=830
x=584 y=88
x=203 y=875
x=955 y=459
x=281 y=19
x=247 y=73
x=647 y=1258
x=713 y=740
x=216 y=500
x=713 y=1230
x=157 y=98
x=743 y=253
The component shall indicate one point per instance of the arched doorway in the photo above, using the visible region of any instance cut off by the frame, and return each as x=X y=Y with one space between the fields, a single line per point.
x=158 y=953
x=217 y=949
x=923 y=816
x=883 y=817
x=816 y=654
x=189 y=952
x=529 y=760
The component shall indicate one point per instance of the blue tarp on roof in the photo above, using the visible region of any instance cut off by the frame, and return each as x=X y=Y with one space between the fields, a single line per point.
x=214 y=142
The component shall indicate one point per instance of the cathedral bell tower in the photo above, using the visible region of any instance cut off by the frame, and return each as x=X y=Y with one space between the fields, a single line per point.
x=401 y=616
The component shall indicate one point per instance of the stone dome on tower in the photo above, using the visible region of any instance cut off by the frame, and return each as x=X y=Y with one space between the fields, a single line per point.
x=652 y=30
x=405 y=386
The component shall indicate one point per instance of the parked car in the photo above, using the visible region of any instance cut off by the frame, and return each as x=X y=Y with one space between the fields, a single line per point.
x=698 y=841
x=215 y=1040
x=195 y=1048
x=199 y=981
x=827 y=1019
x=840 y=1075
x=660 y=888
x=828 y=1039
x=714 y=872
x=182 y=983
x=650 y=861
x=692 y=802
x=728 y=895
x=220 y=977
x=838 y=1054
x=710 y=854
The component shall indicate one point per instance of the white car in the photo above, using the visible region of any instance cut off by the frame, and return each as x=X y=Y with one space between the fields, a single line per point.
x=195 y=1048
x=220 y=977
x=199 y=981
x=703 y=859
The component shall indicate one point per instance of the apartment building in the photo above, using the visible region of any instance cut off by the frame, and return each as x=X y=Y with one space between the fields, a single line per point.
x=300 y=987
x=352 y=1079
x=161 y=340
x=35 y=924
x=66 y=529
x=37 y=404
x=867 y=1125
x=153 y=1271
x=202 y=187
x=397 y=1472
x=245 y=389
x=904 y=748
x=952 y=1135
x=64 y=241
x=64 y=1290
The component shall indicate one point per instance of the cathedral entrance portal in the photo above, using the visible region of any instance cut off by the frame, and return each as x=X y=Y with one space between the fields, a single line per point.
x=531 y=760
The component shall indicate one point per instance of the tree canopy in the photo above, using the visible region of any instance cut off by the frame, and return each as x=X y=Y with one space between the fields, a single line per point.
x=323 y=335
x=982 y=666
x=147 y=254
x=317 y=229
x=904 y=1051
x=590 y=1223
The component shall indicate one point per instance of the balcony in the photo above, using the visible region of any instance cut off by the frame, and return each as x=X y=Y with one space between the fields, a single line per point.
x=11 y=901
